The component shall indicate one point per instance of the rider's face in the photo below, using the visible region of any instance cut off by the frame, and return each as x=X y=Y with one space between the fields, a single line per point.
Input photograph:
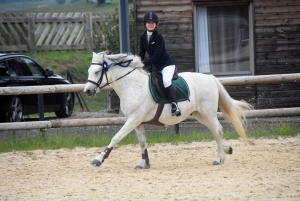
x=150 y=25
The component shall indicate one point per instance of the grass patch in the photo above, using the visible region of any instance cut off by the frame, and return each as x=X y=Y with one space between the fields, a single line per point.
x=95 y=104
x=53 y=141
x=284 y=131
x=76 y=61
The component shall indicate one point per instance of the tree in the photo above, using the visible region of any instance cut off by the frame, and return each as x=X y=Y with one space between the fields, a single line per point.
x=101 y=1
x=61 y=1
x=106 y=34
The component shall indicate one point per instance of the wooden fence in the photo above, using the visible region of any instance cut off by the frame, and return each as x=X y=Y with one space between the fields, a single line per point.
x=244 y=80
x=59 y=123
x=121 y=120
x=31 y=32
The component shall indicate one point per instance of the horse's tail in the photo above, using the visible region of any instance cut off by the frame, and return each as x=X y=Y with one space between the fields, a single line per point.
x=233 y=110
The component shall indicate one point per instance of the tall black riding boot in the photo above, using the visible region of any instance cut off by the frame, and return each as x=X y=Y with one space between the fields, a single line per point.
x=172 y=96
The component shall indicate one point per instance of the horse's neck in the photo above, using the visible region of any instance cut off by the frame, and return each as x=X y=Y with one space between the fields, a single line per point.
x=130 y=82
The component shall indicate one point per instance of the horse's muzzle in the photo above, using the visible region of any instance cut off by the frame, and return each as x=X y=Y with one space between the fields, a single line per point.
x=90 y=91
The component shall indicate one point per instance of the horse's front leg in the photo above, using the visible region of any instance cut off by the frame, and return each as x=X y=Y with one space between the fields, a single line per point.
x=126 y=128
x=144 y=163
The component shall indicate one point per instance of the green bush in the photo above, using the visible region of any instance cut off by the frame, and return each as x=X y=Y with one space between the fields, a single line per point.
x=101 y=1
x=106 y=34
x=61 y=1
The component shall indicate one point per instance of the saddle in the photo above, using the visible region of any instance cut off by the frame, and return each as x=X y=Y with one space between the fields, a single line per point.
x=157 y=82
x=158 y=92
x=160 y=96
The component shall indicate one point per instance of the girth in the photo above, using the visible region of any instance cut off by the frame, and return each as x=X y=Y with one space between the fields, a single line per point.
x=154 y=121
x=156 y=79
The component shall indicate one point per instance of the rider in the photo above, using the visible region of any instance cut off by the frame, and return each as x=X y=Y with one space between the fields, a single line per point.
x=153 y=43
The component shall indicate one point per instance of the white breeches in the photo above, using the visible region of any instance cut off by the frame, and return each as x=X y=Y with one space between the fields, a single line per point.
x=167 y=74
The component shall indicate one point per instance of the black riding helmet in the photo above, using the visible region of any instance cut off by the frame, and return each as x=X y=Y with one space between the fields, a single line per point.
x=150 y=17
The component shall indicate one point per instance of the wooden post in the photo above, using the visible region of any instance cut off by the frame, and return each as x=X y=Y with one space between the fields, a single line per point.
x=124 y=40
x=124 y=26
x=31 y=33
x=88 y=31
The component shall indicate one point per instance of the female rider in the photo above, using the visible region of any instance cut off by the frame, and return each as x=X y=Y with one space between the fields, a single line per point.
x=153 y=43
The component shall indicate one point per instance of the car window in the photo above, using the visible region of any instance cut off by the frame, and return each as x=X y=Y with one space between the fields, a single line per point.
x=36 y=70
x=3 y=69
x=17 y=67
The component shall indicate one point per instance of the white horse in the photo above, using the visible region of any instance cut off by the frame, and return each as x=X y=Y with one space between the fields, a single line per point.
x=127 y=77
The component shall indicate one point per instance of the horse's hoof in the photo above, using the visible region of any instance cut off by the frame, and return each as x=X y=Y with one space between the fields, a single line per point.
x=142 y=165
x=96 y=163
x=138 y=167
x=216 y=163
x=230 y=150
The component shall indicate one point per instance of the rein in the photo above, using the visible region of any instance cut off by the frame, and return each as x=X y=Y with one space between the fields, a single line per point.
x=105 y=68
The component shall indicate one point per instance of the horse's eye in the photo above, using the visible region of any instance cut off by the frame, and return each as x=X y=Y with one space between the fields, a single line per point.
x=97 y=72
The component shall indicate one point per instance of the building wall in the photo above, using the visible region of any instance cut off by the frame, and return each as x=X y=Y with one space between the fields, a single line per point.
x=276 y=41
x=277 y=36
x=175 y=24
x=277 y=50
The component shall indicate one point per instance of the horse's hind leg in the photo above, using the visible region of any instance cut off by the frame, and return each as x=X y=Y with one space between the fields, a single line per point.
x=212 y=123
x=144 y=163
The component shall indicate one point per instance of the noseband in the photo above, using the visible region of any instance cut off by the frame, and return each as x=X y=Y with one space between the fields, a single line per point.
x=105 y=68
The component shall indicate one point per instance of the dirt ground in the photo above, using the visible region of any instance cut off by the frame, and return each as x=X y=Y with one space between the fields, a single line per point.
x=266 y=170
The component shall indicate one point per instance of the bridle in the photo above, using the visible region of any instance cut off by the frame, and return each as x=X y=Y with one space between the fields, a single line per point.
x=105 y=68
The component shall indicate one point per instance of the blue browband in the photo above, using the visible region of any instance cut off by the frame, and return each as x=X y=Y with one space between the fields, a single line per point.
x=105 y=68
x=121 y=63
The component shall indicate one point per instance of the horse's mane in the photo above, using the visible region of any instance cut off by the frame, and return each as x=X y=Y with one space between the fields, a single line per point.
x=110 y=58
x=136 y=60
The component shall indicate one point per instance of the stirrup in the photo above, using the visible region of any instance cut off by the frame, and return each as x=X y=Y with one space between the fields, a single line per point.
x=175 y=110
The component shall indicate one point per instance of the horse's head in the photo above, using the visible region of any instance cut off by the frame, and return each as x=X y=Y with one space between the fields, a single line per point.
x=101 y=63
x=95 y=74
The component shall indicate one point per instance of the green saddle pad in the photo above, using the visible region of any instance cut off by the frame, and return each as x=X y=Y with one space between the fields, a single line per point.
x=182 y=91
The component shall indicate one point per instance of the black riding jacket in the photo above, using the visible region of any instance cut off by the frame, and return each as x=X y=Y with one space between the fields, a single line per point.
x=156 y=50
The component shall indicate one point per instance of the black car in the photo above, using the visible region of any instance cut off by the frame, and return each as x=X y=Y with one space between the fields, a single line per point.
x=21 y=70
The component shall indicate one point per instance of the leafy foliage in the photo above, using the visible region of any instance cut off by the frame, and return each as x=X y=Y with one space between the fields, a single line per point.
x=101 y=1
x=74 y=1
x=61 y=1
x=106 y=34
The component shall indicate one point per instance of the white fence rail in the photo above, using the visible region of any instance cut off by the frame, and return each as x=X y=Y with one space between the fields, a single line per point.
x=113 y=121
x=58 y=123
x=245 y=80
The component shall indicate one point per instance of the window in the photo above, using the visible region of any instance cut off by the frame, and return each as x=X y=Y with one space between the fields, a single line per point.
x=18 y=68
x=223 y=38
x=3 y=69
x=34 y=67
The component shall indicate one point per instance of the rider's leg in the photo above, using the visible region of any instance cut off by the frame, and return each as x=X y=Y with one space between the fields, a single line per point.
x=167 y=74
x=172 y=96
